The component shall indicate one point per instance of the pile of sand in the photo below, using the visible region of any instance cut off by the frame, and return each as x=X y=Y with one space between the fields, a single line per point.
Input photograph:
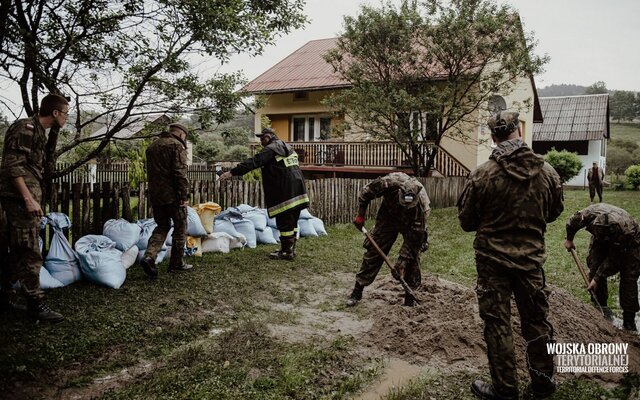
x=445 y=331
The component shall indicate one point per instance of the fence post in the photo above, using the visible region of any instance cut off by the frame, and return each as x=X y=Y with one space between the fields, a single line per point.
x=76 y=191
x=86 y=208
x=126 y=202
x=106 y=203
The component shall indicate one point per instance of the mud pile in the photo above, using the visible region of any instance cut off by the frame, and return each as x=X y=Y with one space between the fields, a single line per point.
x=445 y=331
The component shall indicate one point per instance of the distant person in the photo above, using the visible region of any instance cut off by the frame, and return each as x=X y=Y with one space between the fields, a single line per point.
x=508 y=201
x=404 y=211
x=21 y=183
x=169 y=196
x=614 y=248
x=285 y=193
x=595 y=176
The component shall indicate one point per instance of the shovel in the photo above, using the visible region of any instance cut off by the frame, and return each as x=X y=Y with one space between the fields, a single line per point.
x=586 y=279
x=406 y=287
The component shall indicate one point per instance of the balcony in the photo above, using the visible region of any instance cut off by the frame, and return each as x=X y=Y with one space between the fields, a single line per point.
x=366 y=157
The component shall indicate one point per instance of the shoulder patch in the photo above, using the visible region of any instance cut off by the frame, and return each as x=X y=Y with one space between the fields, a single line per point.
x=29 y=127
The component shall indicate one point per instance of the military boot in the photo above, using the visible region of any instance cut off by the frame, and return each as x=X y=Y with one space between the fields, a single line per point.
x=149 y=267
x=543 y=390
x=39 y=311
x=356 y=295
x=485 y=391
x=179 y=267
x=629 y=321
x=286 y=249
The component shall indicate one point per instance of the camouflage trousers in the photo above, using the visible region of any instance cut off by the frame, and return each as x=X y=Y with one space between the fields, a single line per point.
x=408 y=264
x=163 y=215
x=24 y=260
x=593 y=189
x=627 y=262
x=494 y=289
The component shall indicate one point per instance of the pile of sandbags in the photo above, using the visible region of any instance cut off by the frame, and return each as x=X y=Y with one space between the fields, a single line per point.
x=62 y=265
x=126 y=236
x=101 y=260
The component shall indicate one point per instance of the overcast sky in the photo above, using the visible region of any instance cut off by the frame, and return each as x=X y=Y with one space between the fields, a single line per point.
x=587 y=40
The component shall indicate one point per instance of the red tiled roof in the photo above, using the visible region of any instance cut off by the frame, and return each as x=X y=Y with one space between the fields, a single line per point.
x=304 y=69
x=572 y=118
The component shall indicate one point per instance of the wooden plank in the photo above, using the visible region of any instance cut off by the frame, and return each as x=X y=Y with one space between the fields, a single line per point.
x=125 y=192
x=106 y=204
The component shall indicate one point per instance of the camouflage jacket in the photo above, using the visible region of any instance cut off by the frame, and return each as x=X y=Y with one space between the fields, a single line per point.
x=167 y=170
x=614 y=228
x=388 y=187
x=508 y=201
x=282 y=180
x=23 y=155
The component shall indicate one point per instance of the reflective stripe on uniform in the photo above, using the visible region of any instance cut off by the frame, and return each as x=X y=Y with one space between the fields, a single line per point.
x=290 y=161
x=289 y=204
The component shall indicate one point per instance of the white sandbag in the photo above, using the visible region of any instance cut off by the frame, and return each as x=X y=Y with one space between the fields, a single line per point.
x=226 y=226
x=101 y=261
x=266 y=236
x=47 y=281
x=129 y=257
x=217 y=242
x=306 y=228
x=62 y=262
x=169 y=240
x=276 y=234
x=305 y=214
x=194 y=225
x=271 y=222
x=124 y=233
x=146 y=229
x=318 y=225
x=246 y=228
x=245 y=208
x=56 y=220
x=162 y=254
x=258 y=218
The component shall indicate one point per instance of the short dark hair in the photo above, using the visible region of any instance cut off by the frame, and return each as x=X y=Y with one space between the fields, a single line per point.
x=52 y=102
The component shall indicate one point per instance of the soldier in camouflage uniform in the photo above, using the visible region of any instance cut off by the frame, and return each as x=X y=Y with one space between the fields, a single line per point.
x=508 y=202
x=169 y=195
x=404 y=210
x=21 y=182
x=614 y=247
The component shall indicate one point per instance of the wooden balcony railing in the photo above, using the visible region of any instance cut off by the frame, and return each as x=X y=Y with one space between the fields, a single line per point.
x=369 y=154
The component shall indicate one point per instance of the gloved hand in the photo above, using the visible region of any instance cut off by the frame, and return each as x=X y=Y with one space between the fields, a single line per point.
x=425 y=242
x=358 y=221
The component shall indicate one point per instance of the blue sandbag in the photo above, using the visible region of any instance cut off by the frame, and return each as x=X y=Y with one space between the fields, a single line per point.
x=62 y=262
x=306 y=228
x=246 y=228
x=266 y=236
x=258 y=218
x=318 y=225
x=122 y=232
x=47 y=281
x=305 y=214
x=194 y=225
x=245 y=208
x=159 y=257
x=101 y=261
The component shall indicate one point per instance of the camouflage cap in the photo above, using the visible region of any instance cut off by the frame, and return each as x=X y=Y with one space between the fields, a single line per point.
x=503 y=123
x=265 y=131
x=179 y=126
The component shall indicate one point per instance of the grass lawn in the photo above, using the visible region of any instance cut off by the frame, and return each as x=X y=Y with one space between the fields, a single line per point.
x=625 y=131
x=208 y=334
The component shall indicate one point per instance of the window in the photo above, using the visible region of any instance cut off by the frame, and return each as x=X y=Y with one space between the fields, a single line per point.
x=423 y=123
x=300 y=95
x=309 y=128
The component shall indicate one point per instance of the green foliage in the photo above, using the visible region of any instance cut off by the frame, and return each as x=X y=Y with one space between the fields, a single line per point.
x=138 y=164
x=237 y=152
x=236 y=136
x=618 y=159
x=633 y=176
x=395 y=58
x=623 y=105
x=597 y=88
x=566 y=164
x=209 y=150
x=125 y=58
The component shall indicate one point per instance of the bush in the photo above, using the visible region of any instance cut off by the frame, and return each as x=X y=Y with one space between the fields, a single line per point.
x=237 y=153
x=566 y=164
x=633 y=176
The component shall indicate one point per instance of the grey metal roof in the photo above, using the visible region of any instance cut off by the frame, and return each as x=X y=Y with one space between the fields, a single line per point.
x=304 y=69
x=573 y=118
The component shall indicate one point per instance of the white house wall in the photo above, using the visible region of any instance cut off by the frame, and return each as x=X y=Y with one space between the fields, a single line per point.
x=595 y=149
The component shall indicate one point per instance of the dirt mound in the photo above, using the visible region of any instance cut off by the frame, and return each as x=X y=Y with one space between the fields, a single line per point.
x=445 y=331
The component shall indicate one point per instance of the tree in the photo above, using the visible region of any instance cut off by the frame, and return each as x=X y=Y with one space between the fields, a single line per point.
x=119 y=60
x=618 y=160
x=421 y=72
x=633 y=176
x=566 y=163
x=597 y=88
x=623 y=105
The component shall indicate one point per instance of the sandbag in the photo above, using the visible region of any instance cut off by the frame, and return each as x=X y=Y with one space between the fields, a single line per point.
x=146 y=230
x=266 y=236
x=194 y=226
x=306 y=229
x=271 y=222
x=246 y=228
x=207 y=212
x=101 y=261
x=318 y=225
x=245 y=208
x=305 y=214
x=129 y=257
x=276 y=234
x=195 y=243
x=56 y=220
x=47 y=281
x=258 y=218
x=62 y=262
x=217 y=242
x=124 y=233
x=162 y=254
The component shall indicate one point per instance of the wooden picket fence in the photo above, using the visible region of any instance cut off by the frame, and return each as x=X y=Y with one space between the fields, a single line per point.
x=333 y=200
